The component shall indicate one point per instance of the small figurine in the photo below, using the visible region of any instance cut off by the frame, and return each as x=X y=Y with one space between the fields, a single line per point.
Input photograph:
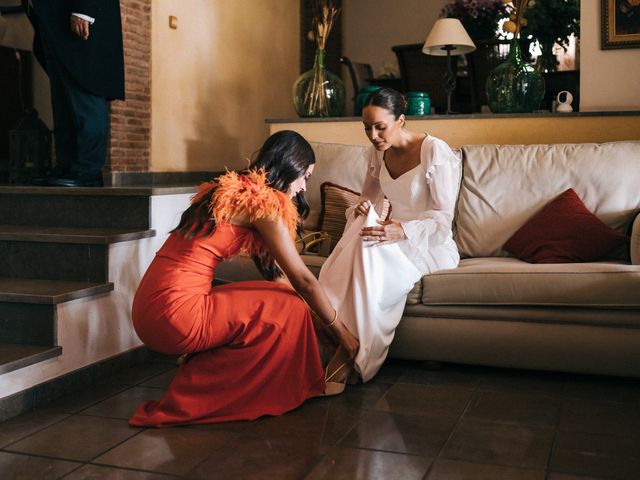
x=564 y=99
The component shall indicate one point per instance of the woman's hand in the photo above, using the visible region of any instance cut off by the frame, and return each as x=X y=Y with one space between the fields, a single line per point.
x=387 y=231
x=348 y=341
x=363 y=208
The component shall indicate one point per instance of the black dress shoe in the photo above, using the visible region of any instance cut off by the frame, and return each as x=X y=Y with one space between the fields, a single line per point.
x=77 y=179
x=44 y=180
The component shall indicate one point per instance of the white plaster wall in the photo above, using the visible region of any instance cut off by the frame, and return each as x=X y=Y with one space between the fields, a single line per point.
x=371 y=27
x=609 y=79
x=96 y=328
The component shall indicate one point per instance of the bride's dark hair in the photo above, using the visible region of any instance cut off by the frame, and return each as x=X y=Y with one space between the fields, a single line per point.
x=285 y=156
x=389 y=99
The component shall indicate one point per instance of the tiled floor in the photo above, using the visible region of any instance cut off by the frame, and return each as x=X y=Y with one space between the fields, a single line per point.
x=455 y=423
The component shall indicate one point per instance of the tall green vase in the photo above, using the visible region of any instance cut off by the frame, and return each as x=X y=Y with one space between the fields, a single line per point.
x=318 y=92
x=514 y=86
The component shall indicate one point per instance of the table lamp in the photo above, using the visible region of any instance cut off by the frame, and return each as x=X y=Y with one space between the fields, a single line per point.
x=448 y=37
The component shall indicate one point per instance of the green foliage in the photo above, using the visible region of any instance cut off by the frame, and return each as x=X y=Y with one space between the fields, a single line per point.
x=549 y=22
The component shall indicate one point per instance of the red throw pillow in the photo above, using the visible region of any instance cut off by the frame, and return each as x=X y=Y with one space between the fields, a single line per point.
x=564 y=231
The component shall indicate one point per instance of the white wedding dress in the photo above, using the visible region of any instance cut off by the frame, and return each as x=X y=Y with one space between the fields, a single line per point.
x=368 y=284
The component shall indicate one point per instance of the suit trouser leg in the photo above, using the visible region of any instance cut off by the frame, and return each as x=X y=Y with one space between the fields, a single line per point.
x=81 y=120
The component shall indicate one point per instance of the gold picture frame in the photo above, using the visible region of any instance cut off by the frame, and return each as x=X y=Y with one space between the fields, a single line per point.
x=620 y=24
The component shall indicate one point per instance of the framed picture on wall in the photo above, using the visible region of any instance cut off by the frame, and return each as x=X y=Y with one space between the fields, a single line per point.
x=620 y=24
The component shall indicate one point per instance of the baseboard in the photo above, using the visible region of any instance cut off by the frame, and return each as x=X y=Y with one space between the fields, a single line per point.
x=44 y=393
x=125 y=179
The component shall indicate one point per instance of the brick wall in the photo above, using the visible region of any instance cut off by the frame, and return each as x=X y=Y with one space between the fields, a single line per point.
x=130 y=142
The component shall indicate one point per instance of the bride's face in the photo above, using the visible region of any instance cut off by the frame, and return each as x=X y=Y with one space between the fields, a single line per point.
x=300 y=184
x=382 y=128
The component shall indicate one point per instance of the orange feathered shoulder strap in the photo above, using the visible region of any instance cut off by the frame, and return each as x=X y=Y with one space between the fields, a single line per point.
x=248 y=194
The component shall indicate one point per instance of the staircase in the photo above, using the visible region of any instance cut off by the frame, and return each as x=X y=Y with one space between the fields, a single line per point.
x=70 y=260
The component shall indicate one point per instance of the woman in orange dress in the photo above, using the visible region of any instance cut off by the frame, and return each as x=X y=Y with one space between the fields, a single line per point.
x=251 y=346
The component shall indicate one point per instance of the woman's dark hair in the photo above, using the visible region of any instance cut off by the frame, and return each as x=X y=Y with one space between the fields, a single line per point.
x=389 y=99
x=285 y=156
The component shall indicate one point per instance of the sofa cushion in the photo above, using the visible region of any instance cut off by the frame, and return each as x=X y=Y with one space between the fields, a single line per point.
x=509 y=281
x=504 y=185
x=344 y=165
x=564 y=231
x=335 y=199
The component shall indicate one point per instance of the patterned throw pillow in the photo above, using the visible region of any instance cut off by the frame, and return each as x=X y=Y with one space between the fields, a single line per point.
x=335 y=200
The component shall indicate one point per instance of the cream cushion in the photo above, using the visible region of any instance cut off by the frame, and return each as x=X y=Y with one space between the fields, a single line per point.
x=344 y=165
x=509 y=281
x=504 y=185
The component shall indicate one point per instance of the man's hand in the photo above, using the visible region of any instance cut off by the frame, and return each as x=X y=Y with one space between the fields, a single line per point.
x=80 y=27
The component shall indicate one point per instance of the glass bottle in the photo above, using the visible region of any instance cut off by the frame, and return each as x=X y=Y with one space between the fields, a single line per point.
x=514 y=86
x=318 y=92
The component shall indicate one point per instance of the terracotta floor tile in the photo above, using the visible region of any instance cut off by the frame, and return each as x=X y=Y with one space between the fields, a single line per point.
x=324 y=421
x=522 y=381
x=596 y=455
x=76 y=438
x=444 y=469
x=160 y=381
x=597 y=417
x=249 y=457
x=140 y=373
x=568 y=476
x=603 y=389
x=97 y=472
x=448 y=374
x=171 y=450
x=361 y=396
x=528 y=409
x=23 y=425
x=343 y=463
x=431 y=399
x=85 y=398
x=479 y=441
x=414 y=434
x=14 y=466
x=123 y=404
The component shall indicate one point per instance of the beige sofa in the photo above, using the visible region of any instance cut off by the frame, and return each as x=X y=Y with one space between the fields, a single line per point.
x=498 y=310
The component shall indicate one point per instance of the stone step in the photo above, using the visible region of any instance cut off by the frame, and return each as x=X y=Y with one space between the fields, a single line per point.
x=111 y=207
x=15 y=356
x=48 y=292
x=27 y=307
x=60 y=253
x=81 y=235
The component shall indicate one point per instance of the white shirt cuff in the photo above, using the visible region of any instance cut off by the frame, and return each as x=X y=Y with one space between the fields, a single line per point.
x=89 y=19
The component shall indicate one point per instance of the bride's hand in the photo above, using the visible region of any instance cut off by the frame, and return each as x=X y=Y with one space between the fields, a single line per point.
x=387 y=231
x=363 y=208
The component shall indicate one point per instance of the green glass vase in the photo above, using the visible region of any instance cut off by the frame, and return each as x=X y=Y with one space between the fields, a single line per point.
x=318 y=92
x=514 y=86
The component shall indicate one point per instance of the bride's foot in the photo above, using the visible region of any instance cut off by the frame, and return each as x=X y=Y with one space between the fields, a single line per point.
x=337 y=372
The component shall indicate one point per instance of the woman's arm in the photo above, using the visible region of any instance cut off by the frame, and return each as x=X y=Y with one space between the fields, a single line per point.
x=371 y=195
x=282 y=247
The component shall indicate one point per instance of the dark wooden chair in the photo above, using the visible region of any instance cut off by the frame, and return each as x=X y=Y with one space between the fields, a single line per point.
x=424 y=73
x=359 y=74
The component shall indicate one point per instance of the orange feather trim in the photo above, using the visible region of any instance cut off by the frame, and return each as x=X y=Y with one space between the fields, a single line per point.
x=249 y=194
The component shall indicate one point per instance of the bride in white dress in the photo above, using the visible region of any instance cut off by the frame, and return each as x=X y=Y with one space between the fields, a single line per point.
x=377 y=262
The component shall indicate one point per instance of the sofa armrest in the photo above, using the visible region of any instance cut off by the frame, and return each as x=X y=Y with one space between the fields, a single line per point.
x=635 y=241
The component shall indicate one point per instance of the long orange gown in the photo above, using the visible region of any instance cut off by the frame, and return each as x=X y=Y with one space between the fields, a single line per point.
x=254 y=348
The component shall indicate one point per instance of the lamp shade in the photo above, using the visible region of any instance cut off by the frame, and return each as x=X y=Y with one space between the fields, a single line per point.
x=448 y=32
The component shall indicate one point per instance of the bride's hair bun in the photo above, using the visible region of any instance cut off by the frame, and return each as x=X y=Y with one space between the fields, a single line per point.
x=389 y=99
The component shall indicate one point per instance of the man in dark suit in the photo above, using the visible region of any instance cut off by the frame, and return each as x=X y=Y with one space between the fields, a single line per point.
x=79 y=44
